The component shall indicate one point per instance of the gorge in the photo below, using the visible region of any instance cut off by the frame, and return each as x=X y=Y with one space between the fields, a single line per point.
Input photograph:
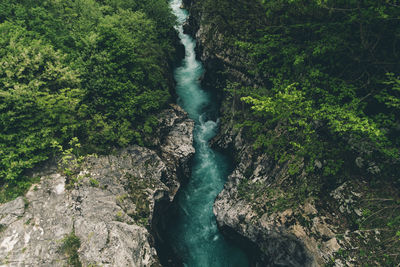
x=199 y=133
x=192 y=231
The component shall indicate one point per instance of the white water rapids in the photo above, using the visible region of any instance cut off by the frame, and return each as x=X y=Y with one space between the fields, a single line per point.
x=194 y=234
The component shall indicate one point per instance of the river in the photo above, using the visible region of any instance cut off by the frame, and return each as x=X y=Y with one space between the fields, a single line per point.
x=193 y=233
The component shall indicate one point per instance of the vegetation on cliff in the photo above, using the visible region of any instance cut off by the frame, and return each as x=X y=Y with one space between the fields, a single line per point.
x=319 y=88
x=327 y=73
x=96 y=70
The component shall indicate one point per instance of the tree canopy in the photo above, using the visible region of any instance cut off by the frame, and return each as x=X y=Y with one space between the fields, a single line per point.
x=315 y=86
x=95 y=70
x=324 y=75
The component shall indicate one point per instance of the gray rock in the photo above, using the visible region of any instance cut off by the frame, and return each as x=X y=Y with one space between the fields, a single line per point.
x=176 y=148
x=110 y=208
x=11 y=211
x=318 y=164
x=280 y=246
x=303 y=235
x=359 y=162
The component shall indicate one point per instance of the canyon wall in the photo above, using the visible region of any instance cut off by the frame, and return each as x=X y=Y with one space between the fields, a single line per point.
x=105 y=214
x=257 y=201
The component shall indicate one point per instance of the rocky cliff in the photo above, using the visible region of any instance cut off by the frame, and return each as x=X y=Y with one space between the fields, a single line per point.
x=103 y=216
x=260 y=201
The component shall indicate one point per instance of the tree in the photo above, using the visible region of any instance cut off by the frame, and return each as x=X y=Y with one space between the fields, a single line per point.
x=39 y=99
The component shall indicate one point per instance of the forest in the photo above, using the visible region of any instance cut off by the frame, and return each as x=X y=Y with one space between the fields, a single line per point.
x=98 y=71
x=324 y=80
x=316 y=86
x=318 y=90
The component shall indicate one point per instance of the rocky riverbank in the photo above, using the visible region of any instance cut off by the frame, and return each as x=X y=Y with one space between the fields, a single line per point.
x=259 y=201
x=105 y=216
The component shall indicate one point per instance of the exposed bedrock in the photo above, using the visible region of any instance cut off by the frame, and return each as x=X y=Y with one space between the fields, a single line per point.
x=110 y=206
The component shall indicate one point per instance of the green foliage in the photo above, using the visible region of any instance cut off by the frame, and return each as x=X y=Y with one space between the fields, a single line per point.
x=69 y=247
x=70 y=162
x=93 y=182
x=380 y=218
x=139 y=196
x=39 y=95
x=269 y=199
x=318 y=90
x=133 y=86
x=390 y=95
x=88 y=69
x=11 y=191
x=119 y=216
x=294 y=117
x=325 y=74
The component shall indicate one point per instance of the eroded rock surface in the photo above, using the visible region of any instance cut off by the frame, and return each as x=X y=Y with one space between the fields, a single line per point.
x=257 y=203
x=109 y=207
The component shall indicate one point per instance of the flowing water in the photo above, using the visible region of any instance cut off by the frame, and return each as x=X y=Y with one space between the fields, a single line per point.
x=193 y=233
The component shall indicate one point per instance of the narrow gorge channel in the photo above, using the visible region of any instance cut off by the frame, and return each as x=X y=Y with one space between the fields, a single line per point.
x=191 y=233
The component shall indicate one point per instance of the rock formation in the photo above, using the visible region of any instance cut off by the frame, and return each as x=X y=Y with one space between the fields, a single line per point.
x=109 y=206
x=256 y=201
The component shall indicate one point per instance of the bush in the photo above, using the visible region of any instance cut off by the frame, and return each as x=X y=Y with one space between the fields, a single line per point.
x=87 y=69
x=70 y=245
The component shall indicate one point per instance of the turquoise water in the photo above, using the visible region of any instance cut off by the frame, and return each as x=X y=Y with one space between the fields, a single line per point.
x=193 y=233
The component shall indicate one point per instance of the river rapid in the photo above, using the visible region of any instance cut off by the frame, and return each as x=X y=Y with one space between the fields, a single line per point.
x=193 y=233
